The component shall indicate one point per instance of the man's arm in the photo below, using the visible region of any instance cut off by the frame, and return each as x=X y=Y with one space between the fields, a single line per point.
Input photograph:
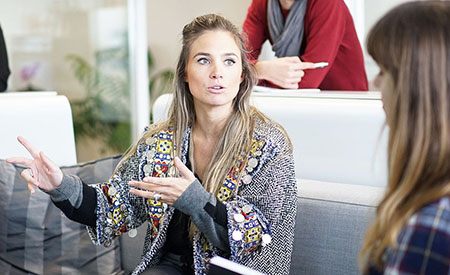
x=325 y=24
x=255 y=28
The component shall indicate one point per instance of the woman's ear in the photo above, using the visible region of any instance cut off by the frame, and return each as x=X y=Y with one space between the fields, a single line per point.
x=242 y=77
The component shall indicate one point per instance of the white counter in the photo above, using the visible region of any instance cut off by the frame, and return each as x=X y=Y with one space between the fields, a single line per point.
x=337 y=136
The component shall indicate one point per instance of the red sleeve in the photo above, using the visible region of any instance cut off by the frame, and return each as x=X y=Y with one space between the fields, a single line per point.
x=255 y=28
x=324 y=23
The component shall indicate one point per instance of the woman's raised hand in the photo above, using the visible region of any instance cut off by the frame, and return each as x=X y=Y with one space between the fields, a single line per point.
x=166 y=190
x=42 y=172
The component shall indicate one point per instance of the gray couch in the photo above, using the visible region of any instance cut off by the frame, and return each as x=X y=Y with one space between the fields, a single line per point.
x=332 y=219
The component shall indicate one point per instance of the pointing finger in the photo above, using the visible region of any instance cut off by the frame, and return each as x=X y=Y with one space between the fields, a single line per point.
x=30 y=148
x=20 y=160
x=307 y=65
x=141 y=193
x=140 y=185
x=154 y=181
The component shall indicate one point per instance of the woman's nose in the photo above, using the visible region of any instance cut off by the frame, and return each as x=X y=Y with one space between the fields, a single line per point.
x=216 y=75
x=216 y=72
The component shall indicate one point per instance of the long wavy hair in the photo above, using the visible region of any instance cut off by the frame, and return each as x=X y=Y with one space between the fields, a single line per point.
x=411 y=44
x=238 y=131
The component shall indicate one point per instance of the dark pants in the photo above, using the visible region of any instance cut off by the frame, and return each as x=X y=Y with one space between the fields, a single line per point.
x=162 y=269
x=170 y=264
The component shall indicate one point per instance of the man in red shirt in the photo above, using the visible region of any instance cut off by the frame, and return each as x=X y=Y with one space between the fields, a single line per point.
x=304 y=31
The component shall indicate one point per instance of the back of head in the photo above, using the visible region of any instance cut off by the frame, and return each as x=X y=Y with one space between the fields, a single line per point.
x=411 y=44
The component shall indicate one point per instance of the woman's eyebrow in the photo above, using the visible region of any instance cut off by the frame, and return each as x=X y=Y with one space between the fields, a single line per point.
x=208 y=54
x=231 y=54
x=202 y=53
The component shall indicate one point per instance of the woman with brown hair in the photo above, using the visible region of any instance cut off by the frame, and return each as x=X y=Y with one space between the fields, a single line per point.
x=216 y=178
x=411 y=232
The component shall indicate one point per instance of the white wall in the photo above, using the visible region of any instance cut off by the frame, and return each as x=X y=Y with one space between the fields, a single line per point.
x=167 y=18
x=374 y=10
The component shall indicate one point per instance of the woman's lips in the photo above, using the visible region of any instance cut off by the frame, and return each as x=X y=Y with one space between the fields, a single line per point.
x=217 y=89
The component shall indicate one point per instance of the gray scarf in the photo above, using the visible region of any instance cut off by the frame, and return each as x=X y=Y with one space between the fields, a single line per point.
x=286 y=37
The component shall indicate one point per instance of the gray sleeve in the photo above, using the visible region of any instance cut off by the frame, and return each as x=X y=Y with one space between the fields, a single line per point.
x=193 y=202
x=71 y=189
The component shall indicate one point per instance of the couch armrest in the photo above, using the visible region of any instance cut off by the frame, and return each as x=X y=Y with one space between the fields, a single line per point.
x=332 y=220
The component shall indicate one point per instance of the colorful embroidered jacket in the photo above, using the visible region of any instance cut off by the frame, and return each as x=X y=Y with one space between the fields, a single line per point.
x=261 y=205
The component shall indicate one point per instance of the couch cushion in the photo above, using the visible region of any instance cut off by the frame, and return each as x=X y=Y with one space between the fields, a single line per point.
x=35 y=237
x=332 y=220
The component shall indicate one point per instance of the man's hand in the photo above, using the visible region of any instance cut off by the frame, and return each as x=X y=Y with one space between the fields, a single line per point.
x=285 y=72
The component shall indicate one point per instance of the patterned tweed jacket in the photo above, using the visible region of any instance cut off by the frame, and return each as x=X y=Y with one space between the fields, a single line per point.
x=261 y=204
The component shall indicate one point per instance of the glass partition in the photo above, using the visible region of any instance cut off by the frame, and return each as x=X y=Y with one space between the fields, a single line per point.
x=81 y=50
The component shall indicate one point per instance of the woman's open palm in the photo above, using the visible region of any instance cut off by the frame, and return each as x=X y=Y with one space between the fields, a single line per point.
x=42 y=172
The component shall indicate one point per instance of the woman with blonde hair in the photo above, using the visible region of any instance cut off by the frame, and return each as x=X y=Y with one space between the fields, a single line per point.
x=216 y=178
x=411 y=232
